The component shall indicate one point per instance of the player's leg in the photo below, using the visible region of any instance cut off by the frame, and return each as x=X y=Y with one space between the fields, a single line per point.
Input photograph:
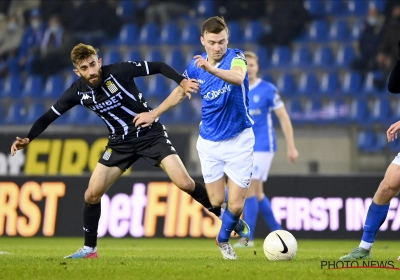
x=100 y=181
x=377 y=211
x=173 y=166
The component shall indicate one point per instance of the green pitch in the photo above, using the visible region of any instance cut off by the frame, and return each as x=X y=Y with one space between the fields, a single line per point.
x=129 y=258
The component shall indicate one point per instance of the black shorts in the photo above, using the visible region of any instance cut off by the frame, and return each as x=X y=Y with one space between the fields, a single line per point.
x=154 y=146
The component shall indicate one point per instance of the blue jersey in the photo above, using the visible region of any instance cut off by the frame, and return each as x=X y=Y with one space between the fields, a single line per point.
x=264 y=98
x=225 y=110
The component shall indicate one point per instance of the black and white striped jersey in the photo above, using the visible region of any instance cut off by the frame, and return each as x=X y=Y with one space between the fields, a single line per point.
x=117 y=101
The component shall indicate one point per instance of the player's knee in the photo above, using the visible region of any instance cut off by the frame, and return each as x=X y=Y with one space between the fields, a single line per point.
x=92 y=197
x=235 y=208
x=186 y=185
x=389 y=188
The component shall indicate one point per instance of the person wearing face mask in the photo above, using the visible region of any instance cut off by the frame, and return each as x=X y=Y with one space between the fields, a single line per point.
x=54 y=49
x=369 y=41
x=9 y=43
x=31 y=40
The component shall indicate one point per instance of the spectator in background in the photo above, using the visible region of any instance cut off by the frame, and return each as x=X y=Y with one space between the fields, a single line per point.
x=31 y=40
x=20 y=7
x=10 y=42
x=287 y=20
x=54 y=49
x=94 y=22
x=63 y=9
x=387 y=50
x=163 y=11
x=237 y=9
x=369 y=41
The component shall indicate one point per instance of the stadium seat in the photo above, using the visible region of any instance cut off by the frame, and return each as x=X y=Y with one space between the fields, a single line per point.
x=395 y=116
x=263 y=59
x=153 y=55
x=128 y=34
x=126 y=10
x=323 y=57
x=334 y=7
x=157 y=86
x=191 y=53
x=359 y=112
x=141 y=85
x=111 y=56
x=190 y=34
x=268 y=78
x=307 y=85
x=381 y=111
x=301 y=57
x=149 y=34
x=318 y=30
x=286 y=85
x=235 y=32
x=366 y=141
x=295 y=111
x=133 y=56
x=34 y=111
x=329 y=84
x=280 y=56
x=341 y=111
x=344 y=56
x=11 y=87
x=394 y=146
x=356 y=29
x=351 y=83
x=313 y=111
x=69 y=79
x=379 y=4
x=17 y=113
x=53 y=87
x=174 y=58
x=205 y=8
x=315 y=8
x=357 y=7
x=170 y=34
x=368 y=87
x=33 y=87
x=252 y=31
x=338 y=31
x=77 y=115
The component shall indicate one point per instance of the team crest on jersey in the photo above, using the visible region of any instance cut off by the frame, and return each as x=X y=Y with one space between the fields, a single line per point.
x=256 y=98
x=111 y=86
x=107 y=154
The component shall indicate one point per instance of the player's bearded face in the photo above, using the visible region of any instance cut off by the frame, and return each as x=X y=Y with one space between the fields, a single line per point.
x=90 y=70
x=215 y=44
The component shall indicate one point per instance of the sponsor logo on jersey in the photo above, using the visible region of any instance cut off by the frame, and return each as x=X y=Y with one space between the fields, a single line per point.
x=107 y=154
x=111 y=86
x=254 y=112
x=137 y=63
x=211 y=95
x=200 y=81
x=113 y=102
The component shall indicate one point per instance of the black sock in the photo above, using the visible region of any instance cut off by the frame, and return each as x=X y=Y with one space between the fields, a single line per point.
x=91 y=217
x=200 y=195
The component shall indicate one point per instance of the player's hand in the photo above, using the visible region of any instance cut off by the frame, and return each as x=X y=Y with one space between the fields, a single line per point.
x=144 y=119
x=292 y=154
x=200 y=62
x=19 y=144
x=190 y=86
x=393 y=131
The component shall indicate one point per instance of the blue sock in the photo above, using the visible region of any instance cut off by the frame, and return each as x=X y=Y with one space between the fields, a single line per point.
x=229 y=222
x=251 y=214
x=266 y=211
x=375 y=217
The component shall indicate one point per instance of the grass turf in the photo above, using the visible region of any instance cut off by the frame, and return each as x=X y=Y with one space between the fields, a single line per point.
x=129 y=258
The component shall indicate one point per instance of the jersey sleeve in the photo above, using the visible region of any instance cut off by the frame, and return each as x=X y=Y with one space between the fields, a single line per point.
x=132 y=69
x=67 y=100
x=276 y=101
x=190 y=72
x=239 y=60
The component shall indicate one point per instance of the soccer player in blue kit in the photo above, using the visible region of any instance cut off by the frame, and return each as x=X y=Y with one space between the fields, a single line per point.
x=264 y=98
x=226 y=140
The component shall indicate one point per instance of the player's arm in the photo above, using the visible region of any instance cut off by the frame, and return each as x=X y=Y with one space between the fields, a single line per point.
x=235 y=75
x=62 y=105
x=147 y=118
x=287 y=129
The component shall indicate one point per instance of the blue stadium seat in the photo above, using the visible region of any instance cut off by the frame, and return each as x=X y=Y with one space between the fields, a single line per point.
x=191 y=53
x=126 y=10
x=33 y=87
x=11 y=87
x=174 y=58
x=205 y=8
x=301 y=57
x=153 y=55
x=280 y=56
x=77 y=115
x=235 y=32
x=313 y=111
x=132 y=55
x=341 y=111
x=2 y=113
x=34 y=111
x=351 y=83
x=338 y=31
x=334 y=7
x=395 y=116
x=54 y=86
x=329 y=84
x=295 y=111
x=381 y=111
x=69 y=79
x=252 y=31
x=318 y=30
x=263 y=58
x=111 y=56
x=157 y=86
x=366 y=141
x=128 y=34
x=190 y=34
x=344 y=56
x=20 y=113
x=141 y=85
x=315 y=8
x=359 y=112
x=149 y=34
x=357 y=8
x=308 y=84
x=368 y=87
x=394 y=146
x=268 y=78
x=356 y=29
x=379 y=4
x=323 y=57
x=170 y=34
x=286 y=85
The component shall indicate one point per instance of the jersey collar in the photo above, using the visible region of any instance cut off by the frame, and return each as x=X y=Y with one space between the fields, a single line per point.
x=258 y=81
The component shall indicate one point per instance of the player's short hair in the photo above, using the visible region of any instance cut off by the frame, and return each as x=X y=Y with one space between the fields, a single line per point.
x=81 y=52
x=214 y=25
x=251 y=55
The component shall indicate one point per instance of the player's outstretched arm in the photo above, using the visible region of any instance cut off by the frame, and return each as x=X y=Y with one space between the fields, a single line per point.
x=147 y=118
x=235 y=75
x=287 y=129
